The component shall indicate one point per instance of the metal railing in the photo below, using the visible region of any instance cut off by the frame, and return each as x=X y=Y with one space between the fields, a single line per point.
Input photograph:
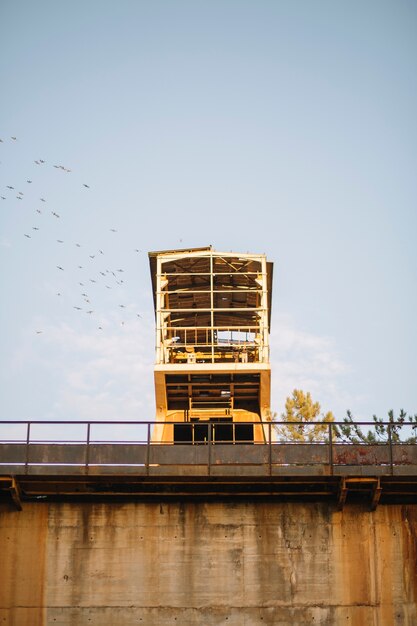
x=212 y=344
x=147 y=445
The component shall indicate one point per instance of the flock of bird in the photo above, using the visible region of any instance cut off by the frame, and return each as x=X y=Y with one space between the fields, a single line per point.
x=110 y=278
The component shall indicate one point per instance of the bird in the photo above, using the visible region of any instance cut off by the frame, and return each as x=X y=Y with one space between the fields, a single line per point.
x=78 y=245
x=58 y=294
x=28 y=236
x=100 y=328
x=92 y=256
x=138 y=315
x=29 y=181
x=92 y=280
x=3 y=198
x=78 y=308
x=102 y=273
x=101 y=251
x=87 y=186
x=20 y=193
x=60 y=268
x=89 y=312
x=119 y=270
x=122 y=306
x=85 y=295
x=9 y=187
x=37 y=162
x=35 y=228
x=42 y=200
x=54 y=214
x=39 y=332
x=136 y=250
x=80 y=267
x=38 y=211
x=19 y=197
x=14 y=138
x=113 y=230
x=41 y=161
x=107 y=287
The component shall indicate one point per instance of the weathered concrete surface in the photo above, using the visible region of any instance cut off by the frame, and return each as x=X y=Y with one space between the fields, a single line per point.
x=234 y=564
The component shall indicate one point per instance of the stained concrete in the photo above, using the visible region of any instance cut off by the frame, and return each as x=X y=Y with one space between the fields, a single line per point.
x=217 y=563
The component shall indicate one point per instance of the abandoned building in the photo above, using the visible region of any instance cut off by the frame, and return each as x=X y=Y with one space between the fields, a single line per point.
x=212 y=372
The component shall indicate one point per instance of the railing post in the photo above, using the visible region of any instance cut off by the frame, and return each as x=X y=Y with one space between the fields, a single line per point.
x=331 y=449
x=27 y=448
x=87 y=450
x=391 y=459
x=209 y=450
x=270 y=447
x=148 y=441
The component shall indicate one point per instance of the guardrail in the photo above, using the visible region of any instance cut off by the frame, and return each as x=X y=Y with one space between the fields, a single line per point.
x=89 y=448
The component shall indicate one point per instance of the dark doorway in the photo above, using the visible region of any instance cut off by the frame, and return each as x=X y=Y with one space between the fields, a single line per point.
x=220 y=433
x=183 y=433
x=223 y=433
x=244 y=433
x=201 y=433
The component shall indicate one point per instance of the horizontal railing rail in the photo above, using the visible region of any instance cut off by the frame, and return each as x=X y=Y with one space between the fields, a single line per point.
x=150 y=447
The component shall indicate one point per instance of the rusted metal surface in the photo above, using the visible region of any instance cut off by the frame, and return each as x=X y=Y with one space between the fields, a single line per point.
x=124 y=454
x=344 y=455
x=56 y=453
x=209 y=469
x=404 y=454
x=355 y=454
x=300 y=454
x=12 y=453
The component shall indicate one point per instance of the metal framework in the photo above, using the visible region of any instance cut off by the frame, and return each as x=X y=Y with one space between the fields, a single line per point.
x=212 y=312
x=95 y=466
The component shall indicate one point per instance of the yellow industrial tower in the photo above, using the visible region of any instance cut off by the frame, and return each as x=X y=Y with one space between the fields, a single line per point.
x=212 y=371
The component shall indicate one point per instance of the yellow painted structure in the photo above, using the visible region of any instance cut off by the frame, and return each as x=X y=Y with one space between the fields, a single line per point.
x=212 y=371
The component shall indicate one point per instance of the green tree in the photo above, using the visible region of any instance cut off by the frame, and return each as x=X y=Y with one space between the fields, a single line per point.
x=299 y=407
x=401 y=429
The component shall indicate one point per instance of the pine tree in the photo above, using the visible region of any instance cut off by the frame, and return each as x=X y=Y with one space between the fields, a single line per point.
x=399 y=429
x=301 y=408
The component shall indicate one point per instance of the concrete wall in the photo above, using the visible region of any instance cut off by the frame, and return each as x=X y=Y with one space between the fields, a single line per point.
x=234 y=564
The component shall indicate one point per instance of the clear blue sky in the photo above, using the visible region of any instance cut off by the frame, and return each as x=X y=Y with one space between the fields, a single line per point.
x=284 y=127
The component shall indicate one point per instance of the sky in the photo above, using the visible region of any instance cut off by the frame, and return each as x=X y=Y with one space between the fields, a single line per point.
x=280 y=127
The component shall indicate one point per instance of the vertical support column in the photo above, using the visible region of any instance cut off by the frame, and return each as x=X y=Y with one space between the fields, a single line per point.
x=331 y=448
x=264 y=317
x=211 y=306
x=209 y=449
x=148 y=442
x=158 y=299
x=391 y=459
x=27 y=448
x=87 y=451
x=270 y=447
